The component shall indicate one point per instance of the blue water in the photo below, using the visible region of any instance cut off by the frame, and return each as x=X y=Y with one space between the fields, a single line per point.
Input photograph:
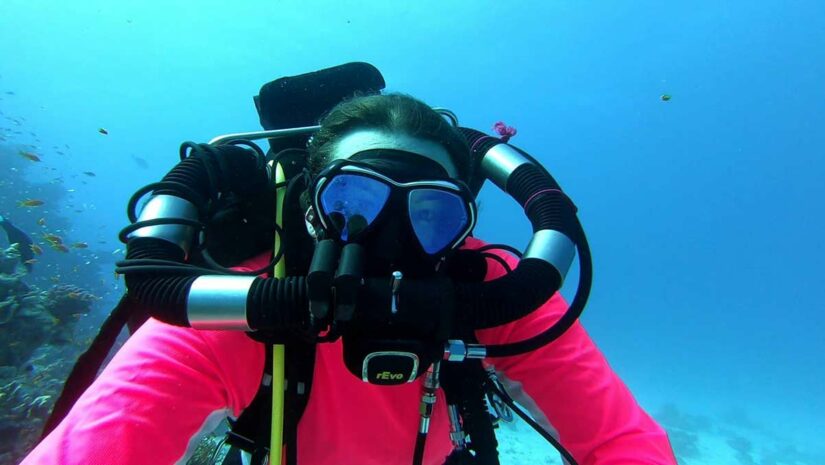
x=704 y=213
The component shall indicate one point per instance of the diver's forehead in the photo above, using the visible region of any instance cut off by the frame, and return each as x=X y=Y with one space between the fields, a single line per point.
x=359 y=141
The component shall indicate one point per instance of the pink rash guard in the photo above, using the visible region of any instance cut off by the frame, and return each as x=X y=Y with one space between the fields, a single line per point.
x=168 y=385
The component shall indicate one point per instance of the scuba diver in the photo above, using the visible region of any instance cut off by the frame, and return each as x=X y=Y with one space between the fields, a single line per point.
x=377 y=329
x=16 y=236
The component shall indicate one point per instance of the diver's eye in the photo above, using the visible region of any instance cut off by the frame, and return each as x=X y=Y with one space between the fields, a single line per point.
x=425 y=214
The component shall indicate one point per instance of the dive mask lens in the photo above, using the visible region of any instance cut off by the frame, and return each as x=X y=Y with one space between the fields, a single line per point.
x=350 y=197
x=352 y=202
x=438 y=217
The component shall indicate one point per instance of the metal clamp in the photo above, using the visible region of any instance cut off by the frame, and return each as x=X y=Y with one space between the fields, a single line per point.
x=396 y=284
x=456 y=350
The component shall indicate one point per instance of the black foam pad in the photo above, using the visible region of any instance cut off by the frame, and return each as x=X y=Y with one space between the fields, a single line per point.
x=295 y=101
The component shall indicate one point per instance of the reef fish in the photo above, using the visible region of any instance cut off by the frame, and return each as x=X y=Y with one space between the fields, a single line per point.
x=60 y=247
x=29 y=155
x=30 y=203
x=54 y=239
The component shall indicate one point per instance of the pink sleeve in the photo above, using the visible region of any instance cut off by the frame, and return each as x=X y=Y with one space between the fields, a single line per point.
x=571 y=390
x=165 y=387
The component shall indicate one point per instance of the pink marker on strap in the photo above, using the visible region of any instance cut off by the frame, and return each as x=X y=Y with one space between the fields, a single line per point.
x=543 y=191
x=506 y=132
x=479 y=141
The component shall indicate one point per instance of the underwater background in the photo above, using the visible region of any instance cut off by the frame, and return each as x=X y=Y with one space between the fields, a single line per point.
x=690 y=135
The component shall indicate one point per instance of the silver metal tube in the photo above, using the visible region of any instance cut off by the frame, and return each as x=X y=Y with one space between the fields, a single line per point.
x=168 y=206
x=219 y=302
x=476 y=351
x=428 y=397
x=499 y=163
x=554 y=248
x=272 y=134
x=457 y=435
x=396 y=283
x=424 y=426
x=436 y=375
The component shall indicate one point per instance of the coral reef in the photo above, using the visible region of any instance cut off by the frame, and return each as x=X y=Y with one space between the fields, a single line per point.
x=24 y=323
x=27 y=395
x=29 y=318
x=35 y=326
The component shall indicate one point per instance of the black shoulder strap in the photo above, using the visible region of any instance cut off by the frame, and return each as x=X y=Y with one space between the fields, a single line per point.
x=251 y=431
x=300 y=367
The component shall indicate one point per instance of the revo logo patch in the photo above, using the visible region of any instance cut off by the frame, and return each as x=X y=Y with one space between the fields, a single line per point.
x=388 y=375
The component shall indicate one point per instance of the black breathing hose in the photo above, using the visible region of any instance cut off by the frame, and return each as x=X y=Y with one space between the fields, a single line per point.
x=533 y=282
x=464 y=385
x=280 y=304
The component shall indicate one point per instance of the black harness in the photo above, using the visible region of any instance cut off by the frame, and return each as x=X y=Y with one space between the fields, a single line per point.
x=251 y=431
x=463 y=383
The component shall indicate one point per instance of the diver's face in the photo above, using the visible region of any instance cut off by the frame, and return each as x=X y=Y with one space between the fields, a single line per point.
x=388 y=249
x=370 y=139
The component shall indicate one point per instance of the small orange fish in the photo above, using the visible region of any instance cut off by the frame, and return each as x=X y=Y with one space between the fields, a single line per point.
x=53 y=238
x=80 y=245
x=89 y=173
x=36 y=249
x=103 y=131
x=30 y=261
x=60 y=247
x=42 y=221
x=30 y=203
x=73 y=295
x=29 y=155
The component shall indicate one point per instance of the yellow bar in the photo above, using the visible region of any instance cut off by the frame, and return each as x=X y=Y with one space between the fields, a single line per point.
x=276 y=438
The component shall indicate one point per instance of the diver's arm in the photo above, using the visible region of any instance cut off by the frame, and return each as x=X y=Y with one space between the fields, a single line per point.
x=15 y=234
x=166 y=386
x=571 y=390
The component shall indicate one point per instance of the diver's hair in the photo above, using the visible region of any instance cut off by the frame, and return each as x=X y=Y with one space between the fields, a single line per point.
x=392 y=113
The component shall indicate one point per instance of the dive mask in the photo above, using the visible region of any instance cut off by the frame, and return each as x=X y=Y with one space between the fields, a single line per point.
x=355 y=197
